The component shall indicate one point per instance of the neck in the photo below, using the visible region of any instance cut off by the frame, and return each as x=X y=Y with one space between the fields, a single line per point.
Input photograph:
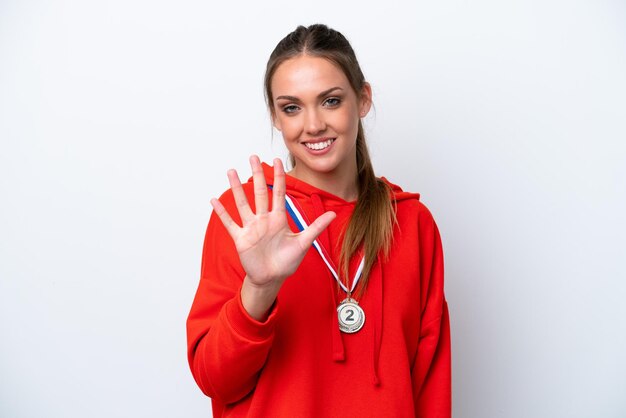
x=340 y=182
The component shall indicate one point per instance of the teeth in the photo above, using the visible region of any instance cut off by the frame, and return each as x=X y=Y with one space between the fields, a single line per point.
x=319 y=145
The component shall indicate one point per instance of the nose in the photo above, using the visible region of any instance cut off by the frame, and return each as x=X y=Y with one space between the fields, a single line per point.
x=314 y=123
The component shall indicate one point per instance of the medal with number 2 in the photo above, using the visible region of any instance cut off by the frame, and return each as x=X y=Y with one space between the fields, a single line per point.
x=351 y=316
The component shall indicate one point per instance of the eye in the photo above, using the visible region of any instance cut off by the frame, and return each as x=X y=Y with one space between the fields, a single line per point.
x=332 y=102
x=289 y=109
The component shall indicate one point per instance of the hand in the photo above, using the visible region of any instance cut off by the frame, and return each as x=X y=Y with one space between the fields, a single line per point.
x=268 y=250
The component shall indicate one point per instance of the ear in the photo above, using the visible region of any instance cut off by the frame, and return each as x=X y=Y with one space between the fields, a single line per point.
x=365 y=101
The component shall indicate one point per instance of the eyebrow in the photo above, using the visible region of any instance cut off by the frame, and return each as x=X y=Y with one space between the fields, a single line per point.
x=322 y=94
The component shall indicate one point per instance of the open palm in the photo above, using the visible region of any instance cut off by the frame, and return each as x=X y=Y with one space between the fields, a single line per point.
x=268 y=250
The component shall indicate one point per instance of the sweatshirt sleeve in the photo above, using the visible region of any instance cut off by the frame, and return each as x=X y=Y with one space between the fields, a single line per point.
x=431 y=373
x=226 y=347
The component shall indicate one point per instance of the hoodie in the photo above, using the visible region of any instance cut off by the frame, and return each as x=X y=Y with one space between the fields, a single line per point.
x=297 y=363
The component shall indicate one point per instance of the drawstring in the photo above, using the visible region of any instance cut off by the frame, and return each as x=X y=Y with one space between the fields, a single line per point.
x=338 y=348
x=339 y=351
x=376 y=289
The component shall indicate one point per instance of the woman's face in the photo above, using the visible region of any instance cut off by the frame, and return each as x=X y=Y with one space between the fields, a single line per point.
x=318 y=112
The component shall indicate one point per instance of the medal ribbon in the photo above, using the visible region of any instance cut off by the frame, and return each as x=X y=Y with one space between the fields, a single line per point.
x=302 y=225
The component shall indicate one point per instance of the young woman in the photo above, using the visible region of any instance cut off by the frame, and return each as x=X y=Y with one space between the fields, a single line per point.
x=346 y=318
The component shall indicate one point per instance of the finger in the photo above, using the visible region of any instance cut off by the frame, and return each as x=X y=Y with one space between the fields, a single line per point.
x=230 y=225
x=240 y=197
x=307 y=236
x=260 y=187
x=278 y=190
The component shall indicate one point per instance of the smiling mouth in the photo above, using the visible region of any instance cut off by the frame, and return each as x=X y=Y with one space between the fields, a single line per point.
x=318 y=146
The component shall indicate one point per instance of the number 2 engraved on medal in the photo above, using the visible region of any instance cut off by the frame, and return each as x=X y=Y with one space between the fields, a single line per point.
x=350 y=316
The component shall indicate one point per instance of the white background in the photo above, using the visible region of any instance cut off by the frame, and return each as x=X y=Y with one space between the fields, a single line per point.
x=118 y=120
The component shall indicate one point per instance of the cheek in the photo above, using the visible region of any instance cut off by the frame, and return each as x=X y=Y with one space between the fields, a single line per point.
x=290 y=128
x=348 y=121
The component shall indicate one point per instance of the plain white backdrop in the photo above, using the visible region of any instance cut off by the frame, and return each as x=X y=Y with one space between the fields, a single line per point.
x=119 y=119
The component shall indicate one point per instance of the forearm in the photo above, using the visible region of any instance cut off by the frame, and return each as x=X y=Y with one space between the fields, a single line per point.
x=228 y=358
x=257 y=300
x=432 y=371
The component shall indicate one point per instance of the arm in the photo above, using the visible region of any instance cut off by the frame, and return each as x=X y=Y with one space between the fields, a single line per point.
x=431 y=369
x=226 y=347
x=246 y=258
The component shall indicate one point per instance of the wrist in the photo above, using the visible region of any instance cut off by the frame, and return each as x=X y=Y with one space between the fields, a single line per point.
x=257 y=300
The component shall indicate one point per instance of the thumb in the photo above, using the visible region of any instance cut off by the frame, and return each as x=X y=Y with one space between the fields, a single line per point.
x=307 y=236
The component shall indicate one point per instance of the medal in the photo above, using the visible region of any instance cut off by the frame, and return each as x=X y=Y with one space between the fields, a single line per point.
x=350 y=315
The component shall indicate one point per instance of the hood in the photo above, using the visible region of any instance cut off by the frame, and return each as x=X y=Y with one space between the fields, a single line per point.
x=300 y=189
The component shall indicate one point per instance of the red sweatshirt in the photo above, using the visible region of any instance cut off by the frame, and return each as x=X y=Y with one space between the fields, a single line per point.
x=297 y=363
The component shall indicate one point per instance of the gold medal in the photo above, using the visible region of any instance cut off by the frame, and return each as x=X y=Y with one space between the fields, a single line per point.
x=351 y=316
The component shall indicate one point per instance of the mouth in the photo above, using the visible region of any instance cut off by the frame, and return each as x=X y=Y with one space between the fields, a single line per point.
x=319 y=145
